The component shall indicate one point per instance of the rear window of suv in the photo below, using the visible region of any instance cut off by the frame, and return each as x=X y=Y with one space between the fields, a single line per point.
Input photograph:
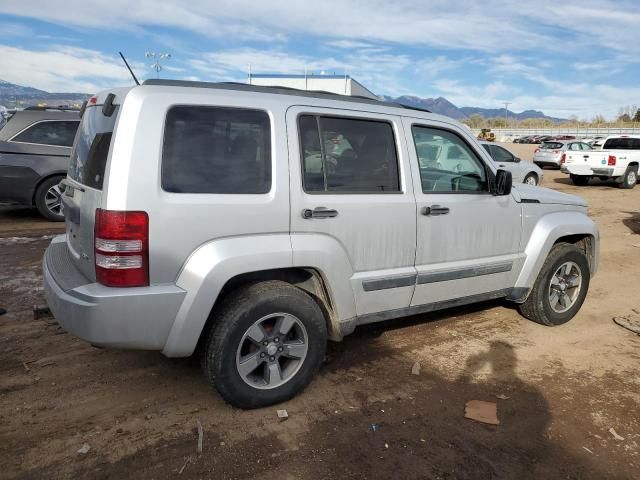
x=89 y=157
x=216 y=150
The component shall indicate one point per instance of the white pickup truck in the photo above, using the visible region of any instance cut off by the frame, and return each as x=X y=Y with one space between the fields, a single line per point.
x=618 y=160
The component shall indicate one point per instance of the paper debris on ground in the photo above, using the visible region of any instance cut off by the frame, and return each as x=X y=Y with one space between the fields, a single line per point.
x=282 y=414
x=502 y=396
x=480 y=411
x=615 y=434
x=84 y=449
x=415 y=370
x=630 y=322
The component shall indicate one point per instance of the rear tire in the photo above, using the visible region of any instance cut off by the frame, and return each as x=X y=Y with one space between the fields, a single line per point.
x=580 y=180
x=545 y=304
x=48 y=199
x=630 y=178
x=284 y=365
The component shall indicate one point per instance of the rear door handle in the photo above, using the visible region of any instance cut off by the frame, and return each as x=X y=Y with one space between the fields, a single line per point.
x=434 y=210
x=319 y=212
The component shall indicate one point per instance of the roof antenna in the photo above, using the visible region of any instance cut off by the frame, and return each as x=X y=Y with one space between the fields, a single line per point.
x=130 y=71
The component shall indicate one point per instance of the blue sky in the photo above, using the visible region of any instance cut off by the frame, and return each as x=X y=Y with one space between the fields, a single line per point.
x=564 y=58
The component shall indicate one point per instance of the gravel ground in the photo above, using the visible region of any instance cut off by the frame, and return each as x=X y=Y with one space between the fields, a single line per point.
x=558 y=390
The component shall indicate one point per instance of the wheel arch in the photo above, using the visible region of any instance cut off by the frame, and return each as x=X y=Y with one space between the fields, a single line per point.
x=560 y=227
x=221 y=266
x=41 y=181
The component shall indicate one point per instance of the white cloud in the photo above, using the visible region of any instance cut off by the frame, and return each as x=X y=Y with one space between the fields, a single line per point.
x=463 y=24
x=62 y=69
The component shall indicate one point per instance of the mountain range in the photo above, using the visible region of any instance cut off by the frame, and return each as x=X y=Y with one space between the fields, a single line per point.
x=443 y=106
x=12 y=95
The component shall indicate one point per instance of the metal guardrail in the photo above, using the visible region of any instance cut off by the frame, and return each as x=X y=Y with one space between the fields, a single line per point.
x=578 y=132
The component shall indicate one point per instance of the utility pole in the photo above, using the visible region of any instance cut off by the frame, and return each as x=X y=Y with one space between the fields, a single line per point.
x=506 y=113
x=156 y=60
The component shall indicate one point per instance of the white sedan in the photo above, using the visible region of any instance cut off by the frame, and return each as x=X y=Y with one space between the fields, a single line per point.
x=522 y=172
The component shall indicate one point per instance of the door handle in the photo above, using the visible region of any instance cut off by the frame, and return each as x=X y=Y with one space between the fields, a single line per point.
x=434 y=210
x=319 y=212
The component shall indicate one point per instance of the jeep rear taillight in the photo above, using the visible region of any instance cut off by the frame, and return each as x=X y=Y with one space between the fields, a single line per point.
x=611 y=161
x=122 y=248
x=564 y=158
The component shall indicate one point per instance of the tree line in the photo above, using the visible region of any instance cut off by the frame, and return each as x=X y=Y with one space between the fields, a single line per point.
x=628 y=116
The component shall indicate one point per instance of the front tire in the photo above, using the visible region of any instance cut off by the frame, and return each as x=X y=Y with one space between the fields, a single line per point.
x=561 y=287
x=580 y=180
x=266 y=344
x=531 y=179
x=48 y=199
x=630 y=178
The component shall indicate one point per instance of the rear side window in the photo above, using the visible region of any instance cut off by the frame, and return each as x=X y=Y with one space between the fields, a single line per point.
x=216 y=150
x=89 y=156
x=348 y=155
x=49 y=132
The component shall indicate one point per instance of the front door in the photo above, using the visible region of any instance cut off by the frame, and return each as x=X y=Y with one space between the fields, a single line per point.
x=351 y=188
x=468 y=241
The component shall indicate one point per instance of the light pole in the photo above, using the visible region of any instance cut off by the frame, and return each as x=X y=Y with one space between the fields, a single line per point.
x=156 y=60
x=506 y=114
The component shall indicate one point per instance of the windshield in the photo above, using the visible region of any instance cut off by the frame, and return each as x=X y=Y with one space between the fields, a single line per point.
x=91 y=148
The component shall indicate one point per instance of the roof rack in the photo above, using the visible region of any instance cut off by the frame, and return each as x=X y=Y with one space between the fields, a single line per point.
x=60 y=108
x=278 y=90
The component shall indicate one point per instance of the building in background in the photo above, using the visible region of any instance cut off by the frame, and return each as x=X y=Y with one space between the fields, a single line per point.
x=340 y=84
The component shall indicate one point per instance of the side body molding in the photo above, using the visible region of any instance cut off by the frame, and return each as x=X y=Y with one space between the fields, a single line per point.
x=548 y=229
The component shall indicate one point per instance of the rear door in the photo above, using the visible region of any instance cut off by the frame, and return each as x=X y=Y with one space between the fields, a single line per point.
x=83 y=191
x=350 y=182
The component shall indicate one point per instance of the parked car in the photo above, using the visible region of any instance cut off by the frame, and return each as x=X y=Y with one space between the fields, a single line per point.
x=35 y=145
x=522 y=172
x=618 y=160
x=194 y=224
x=550 y=153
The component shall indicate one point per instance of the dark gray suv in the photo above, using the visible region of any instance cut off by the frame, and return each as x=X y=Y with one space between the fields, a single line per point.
x=35 y=145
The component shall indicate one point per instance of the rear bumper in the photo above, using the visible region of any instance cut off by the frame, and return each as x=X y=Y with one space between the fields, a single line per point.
x=546 y=162
x=585 y=170
x=138 y=318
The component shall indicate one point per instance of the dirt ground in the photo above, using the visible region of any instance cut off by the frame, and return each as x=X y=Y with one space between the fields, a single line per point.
x=558 y=390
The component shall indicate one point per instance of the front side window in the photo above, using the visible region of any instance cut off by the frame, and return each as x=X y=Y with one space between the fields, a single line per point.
x=50 y=132
x=575 y=146
x=501 y=155
x=347 y=155
x=447 y=164
x=216 y=150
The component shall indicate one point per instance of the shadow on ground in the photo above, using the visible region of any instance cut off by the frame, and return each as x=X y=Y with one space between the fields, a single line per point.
x=422 y=435
x=632 y=222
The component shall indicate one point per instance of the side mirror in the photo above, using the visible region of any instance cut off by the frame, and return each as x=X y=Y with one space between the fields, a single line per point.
x=516 y=159
x=503 y=183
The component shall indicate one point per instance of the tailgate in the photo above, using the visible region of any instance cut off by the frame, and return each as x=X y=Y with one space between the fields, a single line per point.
x=83 y=192
x=589 y=158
